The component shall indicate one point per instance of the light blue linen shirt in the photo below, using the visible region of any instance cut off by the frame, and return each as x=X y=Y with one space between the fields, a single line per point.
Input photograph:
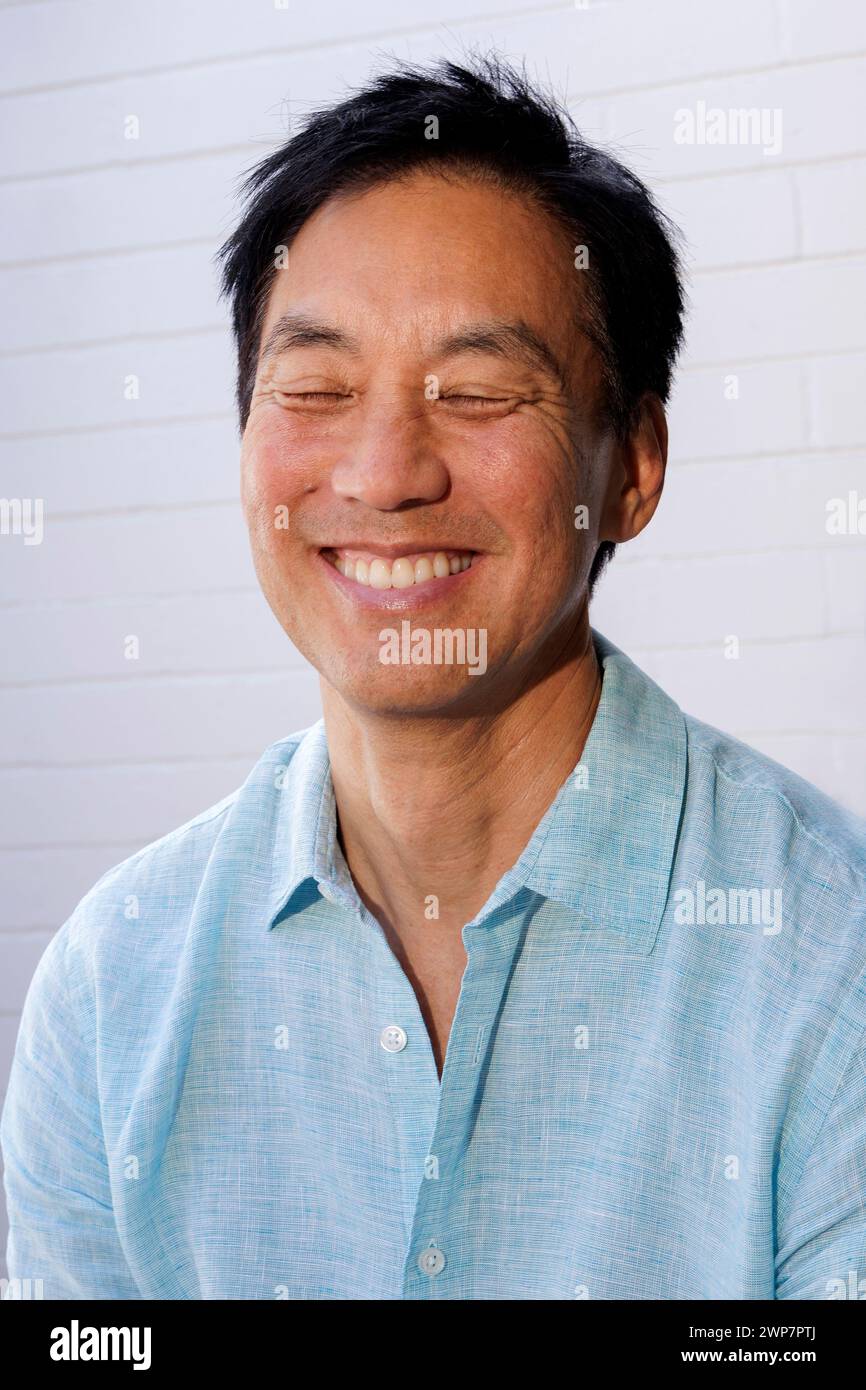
x=655 y=1083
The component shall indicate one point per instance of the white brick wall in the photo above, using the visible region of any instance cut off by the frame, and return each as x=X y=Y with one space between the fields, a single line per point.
x=106 y=270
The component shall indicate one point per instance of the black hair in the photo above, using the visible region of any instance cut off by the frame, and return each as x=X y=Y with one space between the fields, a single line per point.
x=491 y=123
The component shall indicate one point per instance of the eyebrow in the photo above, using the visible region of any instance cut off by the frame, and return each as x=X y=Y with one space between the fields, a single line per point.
x=509 y=340
x=300 y=330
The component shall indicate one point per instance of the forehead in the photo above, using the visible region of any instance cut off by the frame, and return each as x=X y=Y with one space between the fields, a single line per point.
x=428 y=252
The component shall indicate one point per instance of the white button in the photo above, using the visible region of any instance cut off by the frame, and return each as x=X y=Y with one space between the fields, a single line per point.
x=393 y=1038
x=431 y=1261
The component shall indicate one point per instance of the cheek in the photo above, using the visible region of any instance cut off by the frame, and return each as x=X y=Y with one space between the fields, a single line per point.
x=274 y=470
x=561 y=491
x=531 y=482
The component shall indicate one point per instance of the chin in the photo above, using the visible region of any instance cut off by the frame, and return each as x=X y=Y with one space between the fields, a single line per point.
x=405 y=693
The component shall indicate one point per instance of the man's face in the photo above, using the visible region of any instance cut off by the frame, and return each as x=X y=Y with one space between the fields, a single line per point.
x=412 y=453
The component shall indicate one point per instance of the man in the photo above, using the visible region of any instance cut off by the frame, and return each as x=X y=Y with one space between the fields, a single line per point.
x=507 y=980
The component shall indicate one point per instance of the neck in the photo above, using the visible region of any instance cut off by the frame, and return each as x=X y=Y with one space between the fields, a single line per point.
x=441 y=808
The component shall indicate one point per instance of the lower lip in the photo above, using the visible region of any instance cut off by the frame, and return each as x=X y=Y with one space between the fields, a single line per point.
x=416 y=596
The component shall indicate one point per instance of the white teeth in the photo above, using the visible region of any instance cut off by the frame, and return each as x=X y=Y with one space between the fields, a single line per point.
x=402 y=573
x=378 y=573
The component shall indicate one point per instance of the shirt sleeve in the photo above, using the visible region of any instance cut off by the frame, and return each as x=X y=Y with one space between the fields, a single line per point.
x=823 y=1255
x=61 y=1222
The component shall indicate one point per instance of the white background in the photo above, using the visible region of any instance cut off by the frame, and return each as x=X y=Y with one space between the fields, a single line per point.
x=107 y=271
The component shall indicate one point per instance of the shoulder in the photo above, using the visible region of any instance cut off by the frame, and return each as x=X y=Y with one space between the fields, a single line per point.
x=146 y=901
x=758 y=830
x=778 y=869
x=771 y=808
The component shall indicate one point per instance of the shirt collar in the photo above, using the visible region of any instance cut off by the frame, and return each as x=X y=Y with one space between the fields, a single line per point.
x=604 y=848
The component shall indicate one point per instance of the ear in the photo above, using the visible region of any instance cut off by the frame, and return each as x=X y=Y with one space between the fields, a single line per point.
x=637 y=474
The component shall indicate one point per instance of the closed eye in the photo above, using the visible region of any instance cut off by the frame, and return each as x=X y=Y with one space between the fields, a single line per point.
x=475 y=401
x=313 y=395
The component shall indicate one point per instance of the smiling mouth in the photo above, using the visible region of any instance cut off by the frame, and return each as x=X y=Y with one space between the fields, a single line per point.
x=401 y=571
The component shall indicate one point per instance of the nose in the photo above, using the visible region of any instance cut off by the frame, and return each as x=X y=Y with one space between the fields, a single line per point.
x=389 y=460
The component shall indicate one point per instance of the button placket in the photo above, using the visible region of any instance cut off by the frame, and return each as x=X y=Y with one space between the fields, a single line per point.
x=488 y=969
x=407 y=1068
